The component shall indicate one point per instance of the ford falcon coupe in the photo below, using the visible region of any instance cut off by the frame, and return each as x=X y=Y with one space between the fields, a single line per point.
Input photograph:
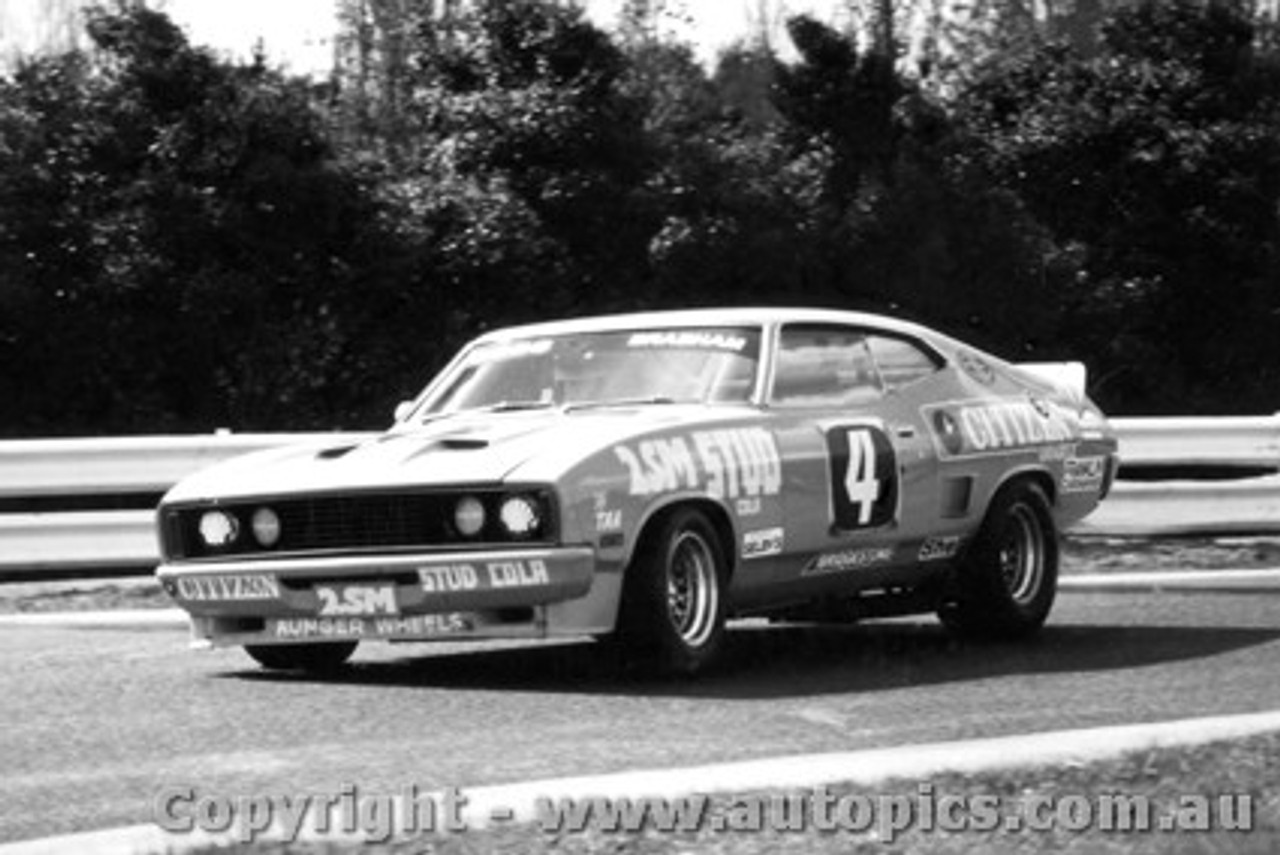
x=646 y=478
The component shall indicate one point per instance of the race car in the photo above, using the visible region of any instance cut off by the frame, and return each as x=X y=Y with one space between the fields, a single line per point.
x=644 y=479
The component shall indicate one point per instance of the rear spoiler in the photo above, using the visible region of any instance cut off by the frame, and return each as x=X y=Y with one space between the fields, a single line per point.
x=1070 y=377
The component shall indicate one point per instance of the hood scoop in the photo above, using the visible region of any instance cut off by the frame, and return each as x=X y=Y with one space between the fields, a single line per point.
x=462 y=443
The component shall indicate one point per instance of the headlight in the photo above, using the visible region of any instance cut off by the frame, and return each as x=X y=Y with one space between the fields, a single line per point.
x=468 y=516
x=266 y=527
x=520 y=516
x=218 y=529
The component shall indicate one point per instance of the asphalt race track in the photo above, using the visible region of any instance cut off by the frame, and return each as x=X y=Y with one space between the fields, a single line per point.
x=97 y=721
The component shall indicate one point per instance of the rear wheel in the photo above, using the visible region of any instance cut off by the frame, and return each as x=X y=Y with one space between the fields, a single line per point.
x=673 y=601
x=313 y=658
x=1009 y=578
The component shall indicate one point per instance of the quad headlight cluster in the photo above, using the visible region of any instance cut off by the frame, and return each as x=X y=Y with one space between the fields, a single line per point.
x=420 y=519
x=221 y=529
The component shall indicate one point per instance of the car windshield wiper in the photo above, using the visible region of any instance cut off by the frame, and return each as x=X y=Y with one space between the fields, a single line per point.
x=619 y=402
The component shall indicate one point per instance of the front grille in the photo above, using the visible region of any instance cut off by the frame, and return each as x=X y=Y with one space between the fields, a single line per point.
x=381 y=521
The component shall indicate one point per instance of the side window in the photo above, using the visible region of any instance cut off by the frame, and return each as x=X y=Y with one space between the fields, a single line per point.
x=824 y=367
x=900 y=361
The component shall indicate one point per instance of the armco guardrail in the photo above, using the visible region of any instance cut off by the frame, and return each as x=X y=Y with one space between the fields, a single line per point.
x=1219 y=441
x=1223 y=505
x=120 y=465
x=1249 y=506
x=46 y=473
x=83 y=542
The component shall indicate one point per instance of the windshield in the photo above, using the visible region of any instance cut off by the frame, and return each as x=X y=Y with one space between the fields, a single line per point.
x=600 y=369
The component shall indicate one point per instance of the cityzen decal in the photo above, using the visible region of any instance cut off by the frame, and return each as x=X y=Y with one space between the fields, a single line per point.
x=497 y=574
x=848 y=559
x=967 y=429
x=762 y=543
x=939 y=548
x=356 y=600
x=737 y=463
x=1083 y=474
x=228 y=588
x=864 y=486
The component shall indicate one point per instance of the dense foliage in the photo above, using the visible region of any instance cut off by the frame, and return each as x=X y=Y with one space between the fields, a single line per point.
x=189 y=242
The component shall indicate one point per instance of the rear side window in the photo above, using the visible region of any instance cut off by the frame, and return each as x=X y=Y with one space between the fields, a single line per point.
x=900 y=361
x=820 y=366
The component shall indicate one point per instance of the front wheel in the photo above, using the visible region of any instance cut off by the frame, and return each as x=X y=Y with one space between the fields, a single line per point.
x=1009 y=578
x=313 y=658
x=673 y=601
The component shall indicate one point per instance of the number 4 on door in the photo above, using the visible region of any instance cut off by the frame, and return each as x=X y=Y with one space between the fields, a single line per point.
x=863 y=482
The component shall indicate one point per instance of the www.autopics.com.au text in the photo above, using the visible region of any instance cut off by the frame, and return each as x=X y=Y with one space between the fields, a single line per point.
x=379 y=817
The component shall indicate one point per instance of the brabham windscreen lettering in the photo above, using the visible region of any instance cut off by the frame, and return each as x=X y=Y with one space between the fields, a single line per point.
x=983 y=427
x=724 y=464
x=689 y=339
x=598 y=368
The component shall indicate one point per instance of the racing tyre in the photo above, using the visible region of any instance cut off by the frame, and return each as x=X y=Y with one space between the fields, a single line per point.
x=313 y=658
x=673 y=599
x=1007 y=582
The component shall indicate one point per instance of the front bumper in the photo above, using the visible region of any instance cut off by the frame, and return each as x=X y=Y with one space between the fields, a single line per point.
x=525 y=593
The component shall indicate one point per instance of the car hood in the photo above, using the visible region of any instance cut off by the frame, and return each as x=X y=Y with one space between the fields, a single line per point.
x=474 y=449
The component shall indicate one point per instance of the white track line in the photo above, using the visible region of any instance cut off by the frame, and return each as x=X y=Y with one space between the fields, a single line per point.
x=865 y=768
x=1191 y=581
x=111 y=619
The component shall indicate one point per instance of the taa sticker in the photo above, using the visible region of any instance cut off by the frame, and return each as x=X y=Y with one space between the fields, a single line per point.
x=608 y=520
x=356 y=600
x=864 y=486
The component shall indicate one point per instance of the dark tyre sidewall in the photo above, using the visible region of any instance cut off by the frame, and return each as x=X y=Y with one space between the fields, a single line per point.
x=674 y=597
x=1008 y=580
x=313 y=658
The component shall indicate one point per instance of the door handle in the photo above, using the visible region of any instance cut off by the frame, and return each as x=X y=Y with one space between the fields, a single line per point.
x=905 y=431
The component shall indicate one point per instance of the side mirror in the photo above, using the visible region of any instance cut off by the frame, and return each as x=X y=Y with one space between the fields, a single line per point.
x=403 y=409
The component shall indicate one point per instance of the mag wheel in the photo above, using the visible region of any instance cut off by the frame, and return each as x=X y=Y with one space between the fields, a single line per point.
x=315 y=658
x=673 y=604
x=1008 y=579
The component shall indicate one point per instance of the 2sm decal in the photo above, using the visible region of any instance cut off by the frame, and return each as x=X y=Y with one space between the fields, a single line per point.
x=737 y=464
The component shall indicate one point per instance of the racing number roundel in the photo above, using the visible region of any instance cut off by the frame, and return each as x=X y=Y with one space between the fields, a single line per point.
x=864 y=486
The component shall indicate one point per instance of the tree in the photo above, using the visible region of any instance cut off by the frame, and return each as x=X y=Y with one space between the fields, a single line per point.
x=1158 y=161
x=179 y=242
